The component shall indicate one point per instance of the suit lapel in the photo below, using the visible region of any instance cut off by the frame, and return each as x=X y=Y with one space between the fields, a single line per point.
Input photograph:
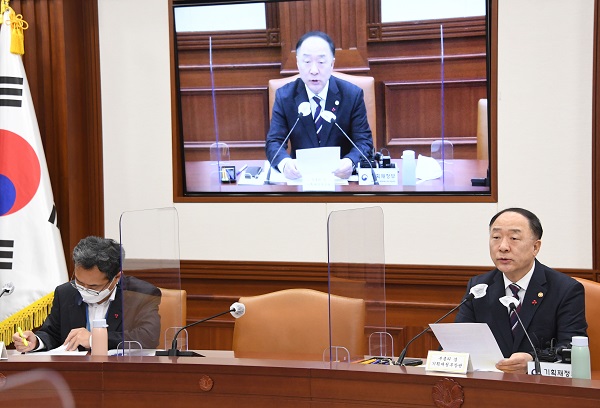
x=537 y=285
x=306 y=121
x=114 y=316
x=500 y=313
x=78 y=312
x=333 y=96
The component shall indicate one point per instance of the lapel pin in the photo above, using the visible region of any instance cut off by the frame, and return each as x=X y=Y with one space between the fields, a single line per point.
x=116 y=315
x=337 y=103
x=534 y=302
x=333 y=109
x=540 y=294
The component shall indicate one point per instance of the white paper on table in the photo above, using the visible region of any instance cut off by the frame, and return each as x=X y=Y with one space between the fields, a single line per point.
x=318 y=159
x=59 y=351
x=473 y=338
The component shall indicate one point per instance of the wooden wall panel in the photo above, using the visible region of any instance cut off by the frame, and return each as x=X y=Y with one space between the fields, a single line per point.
x=241 y=135
x=402 y=53
x=416 y=295
x=414 y=114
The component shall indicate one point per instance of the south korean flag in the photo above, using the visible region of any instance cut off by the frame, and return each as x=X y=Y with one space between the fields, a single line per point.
x=31 y=252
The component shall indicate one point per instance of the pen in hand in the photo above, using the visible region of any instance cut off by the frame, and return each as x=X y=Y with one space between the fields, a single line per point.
x=25 y=342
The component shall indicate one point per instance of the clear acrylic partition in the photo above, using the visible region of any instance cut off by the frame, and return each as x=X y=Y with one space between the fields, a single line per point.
x=150 y=240
x=356 y=283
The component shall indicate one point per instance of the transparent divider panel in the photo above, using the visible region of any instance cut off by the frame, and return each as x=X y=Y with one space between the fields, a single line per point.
x=356 y=265
x=151 y=283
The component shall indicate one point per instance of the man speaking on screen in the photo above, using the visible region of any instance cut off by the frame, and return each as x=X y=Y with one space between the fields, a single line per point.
x=315 y=55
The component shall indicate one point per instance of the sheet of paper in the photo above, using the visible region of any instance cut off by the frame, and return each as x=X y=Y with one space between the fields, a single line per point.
x=318 y=159
x=277 y=177
x=473 y=338
x=59 y=351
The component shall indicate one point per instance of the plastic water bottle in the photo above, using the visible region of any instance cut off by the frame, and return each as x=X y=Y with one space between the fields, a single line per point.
x=580 y=358
x=409 y=167
x=99 y=338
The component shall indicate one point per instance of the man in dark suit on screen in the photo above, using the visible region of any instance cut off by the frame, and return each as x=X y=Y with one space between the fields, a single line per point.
x=98 y=290
x=315 y=54
x=552 y=304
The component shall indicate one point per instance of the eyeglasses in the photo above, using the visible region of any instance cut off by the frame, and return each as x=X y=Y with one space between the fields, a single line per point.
x=84 y=289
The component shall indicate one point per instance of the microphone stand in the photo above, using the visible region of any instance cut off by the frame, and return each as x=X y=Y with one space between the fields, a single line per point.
x=375 y=181
x=173 y=351
x=403 y=353
x=536 y=360
x=268 y=179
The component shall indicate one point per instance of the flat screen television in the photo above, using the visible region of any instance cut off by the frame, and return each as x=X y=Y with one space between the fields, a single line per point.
x=433 y=76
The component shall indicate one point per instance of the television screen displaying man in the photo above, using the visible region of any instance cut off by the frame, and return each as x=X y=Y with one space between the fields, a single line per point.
x=327 y=95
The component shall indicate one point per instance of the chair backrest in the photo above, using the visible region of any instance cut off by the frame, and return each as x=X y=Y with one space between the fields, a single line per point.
x=173 y=312
x=294 y=324
x=366 y=83
x=592 y=309
x=482 y=130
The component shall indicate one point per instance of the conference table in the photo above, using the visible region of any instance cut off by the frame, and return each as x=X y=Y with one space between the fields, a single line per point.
x=221 y=379
x=204 y=177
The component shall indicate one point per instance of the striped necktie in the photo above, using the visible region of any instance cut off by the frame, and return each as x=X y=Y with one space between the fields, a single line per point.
x=513 y=316
x=318 y=119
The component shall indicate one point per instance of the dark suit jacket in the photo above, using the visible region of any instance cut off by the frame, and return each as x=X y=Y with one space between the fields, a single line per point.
x=553 y=308
x=344 y=99
x=136 y=301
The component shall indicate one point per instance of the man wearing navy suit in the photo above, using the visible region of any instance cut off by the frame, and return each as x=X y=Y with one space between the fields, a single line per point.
x=552 y=304
x=98 y=291
x=315 y=54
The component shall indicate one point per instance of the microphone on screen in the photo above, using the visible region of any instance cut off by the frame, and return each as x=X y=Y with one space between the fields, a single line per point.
x=331 y=118
x=7 y=289
x=303 y=110
x=476 y=292
x=237 y=310
x=511 y=303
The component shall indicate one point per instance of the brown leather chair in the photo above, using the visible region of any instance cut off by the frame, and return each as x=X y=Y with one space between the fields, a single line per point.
x=173 y=313
x=293 y=324
x=592 y=310
x=366 y=83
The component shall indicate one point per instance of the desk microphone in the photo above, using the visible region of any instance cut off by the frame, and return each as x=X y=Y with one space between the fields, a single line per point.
x=511 y=303
x=237 y=310
x=476 y=292
x=330 y=117
x=303 y=110
x=8 y=288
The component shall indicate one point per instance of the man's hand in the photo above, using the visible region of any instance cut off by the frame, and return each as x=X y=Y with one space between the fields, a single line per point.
x=20 y=344
x=517 y=363
x=345 y=169
x=290 y=171
x=77 y=337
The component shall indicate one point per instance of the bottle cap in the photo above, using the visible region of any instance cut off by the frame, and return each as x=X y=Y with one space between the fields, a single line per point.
x=99 y=323
x=408 y=154
x=580 y=341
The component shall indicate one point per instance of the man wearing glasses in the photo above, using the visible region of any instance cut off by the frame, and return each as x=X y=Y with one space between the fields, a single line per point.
x=97 y=290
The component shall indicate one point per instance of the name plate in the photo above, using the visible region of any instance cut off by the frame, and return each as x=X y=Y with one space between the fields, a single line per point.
x=551 y=369
x=318 y=182
x=385 y=177
x=448 y=362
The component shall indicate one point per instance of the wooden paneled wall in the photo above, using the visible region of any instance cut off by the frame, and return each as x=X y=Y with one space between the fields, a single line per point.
x=416 y=295
x=406 y=60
